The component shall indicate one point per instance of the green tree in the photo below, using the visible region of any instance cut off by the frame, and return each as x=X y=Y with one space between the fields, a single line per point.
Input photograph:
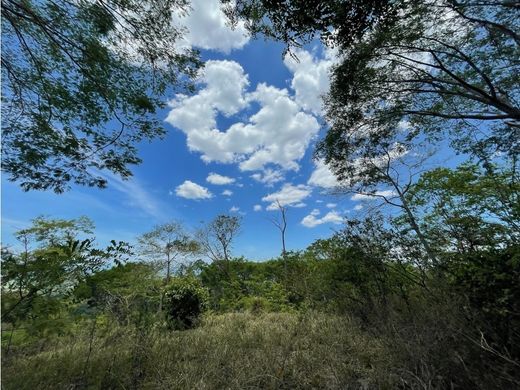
x=82 y=81
x=56 y=257
x=468 y=209
x=129 y=292
x=443 y=70
x=185 y=301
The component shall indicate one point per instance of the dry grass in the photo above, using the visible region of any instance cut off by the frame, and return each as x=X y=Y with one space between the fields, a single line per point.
x=231 y=351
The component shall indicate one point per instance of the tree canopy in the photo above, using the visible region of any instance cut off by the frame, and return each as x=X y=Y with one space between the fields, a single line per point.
x=81 y=84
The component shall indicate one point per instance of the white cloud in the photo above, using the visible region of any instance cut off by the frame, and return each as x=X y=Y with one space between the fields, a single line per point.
x=312 y=219
x=358 y=207
x=215 y=178
x=227 y=192
x=289 y=195
x=207 y=28
x=331 y=205
x=372 y=196
x=322 y=176
x=257 y=207
x=310 y=78
x=268 y=176
x=234 y=209
x=278 y=133
x=191 y=190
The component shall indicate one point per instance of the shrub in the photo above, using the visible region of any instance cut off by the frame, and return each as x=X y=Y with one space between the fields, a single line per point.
x=184 y=301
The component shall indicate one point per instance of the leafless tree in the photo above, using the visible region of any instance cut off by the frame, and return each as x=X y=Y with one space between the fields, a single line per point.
x=281 y=224
x=215 y=239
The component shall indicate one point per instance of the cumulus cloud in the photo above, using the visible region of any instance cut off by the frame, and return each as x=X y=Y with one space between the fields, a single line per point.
x=220 y=180
x=278 y=133
x=227 y=192
x=312 y=219
x=257 y=207
x=207 y=28
x=374 y=195
x=358 y=207
x=234 y=209
x=191 y=190
x=310 y=78
x=268 y=176
x=289 y=195
x=331 y=205
x=322 y=176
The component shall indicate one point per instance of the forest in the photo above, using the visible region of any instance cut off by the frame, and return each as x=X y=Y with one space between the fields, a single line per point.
x=420 y=291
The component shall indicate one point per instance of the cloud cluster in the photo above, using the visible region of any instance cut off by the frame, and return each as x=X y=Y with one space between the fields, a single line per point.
x=289 y=195
x=322 y=176
x=277 y=134
x=206 y=27
x=219 y=180
x=312 y=219
x=191 y=190
x=374 y=195
x=268 y=176
x=310 y=78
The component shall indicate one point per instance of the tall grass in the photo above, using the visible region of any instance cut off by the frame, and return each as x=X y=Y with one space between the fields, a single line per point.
x=231 y=351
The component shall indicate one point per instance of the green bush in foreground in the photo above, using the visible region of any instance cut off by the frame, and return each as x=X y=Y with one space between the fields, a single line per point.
x=185 y=300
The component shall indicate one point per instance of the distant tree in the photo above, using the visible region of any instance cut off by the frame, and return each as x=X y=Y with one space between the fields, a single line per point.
x=130 y=292
x=81 y=82
x=166 y=243
x=281 y=224
x=216 y=237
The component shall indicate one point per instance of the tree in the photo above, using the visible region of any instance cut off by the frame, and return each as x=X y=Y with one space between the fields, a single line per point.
x=55 y=259
x=216 y=237
x=468 y=209
x=168 y=242
x=436 y=69
x=296 y=22
x=449 y=71
x=130 y=292
x=281 y=224
x=82 y=81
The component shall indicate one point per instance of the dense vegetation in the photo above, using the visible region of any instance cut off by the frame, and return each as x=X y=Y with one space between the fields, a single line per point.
x=422 y=292
x=365 y=307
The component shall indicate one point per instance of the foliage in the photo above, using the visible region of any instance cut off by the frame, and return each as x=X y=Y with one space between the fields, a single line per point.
x=468 y=208
x=81 y=84
x=130 y=292
x=185 y=301
x=38 y=282
x=447 y=69
x=297 y=22
x=169 y=240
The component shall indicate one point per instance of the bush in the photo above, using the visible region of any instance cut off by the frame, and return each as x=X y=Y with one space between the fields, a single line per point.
x=184 y=301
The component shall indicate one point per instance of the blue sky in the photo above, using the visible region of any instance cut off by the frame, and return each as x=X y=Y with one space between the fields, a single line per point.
x=242 y=142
